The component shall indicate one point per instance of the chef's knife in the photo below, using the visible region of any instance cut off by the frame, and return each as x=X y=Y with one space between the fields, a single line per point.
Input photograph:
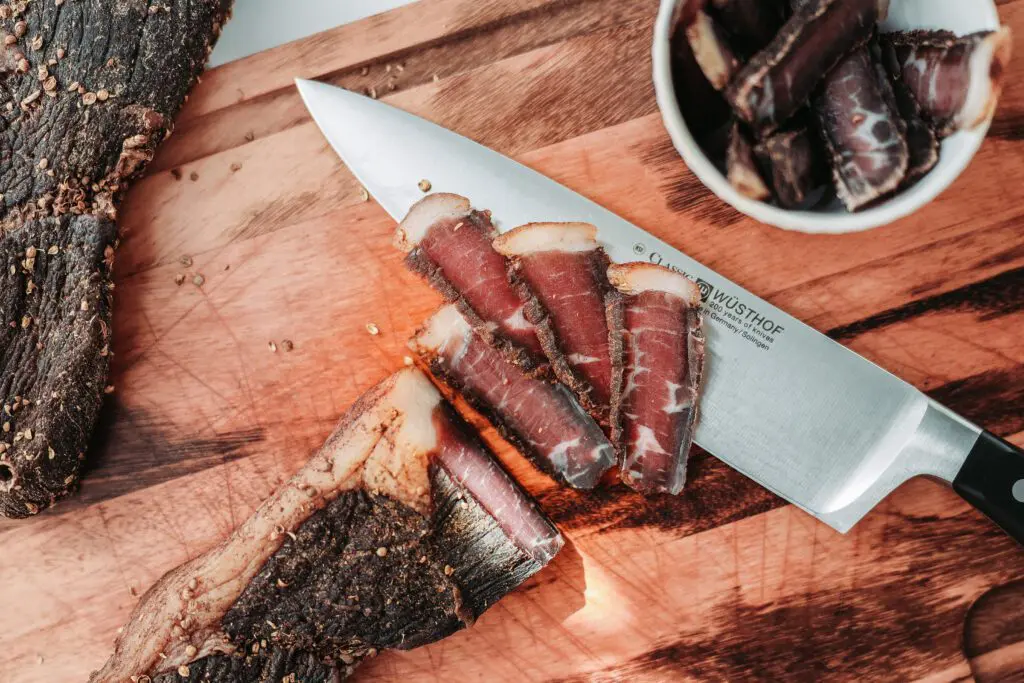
x=785 y=405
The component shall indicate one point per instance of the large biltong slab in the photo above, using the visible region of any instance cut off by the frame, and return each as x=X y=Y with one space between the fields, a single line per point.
x=751 y=23
x=862 y=129
x=400 y=531
x=54 y=350
x=560 y=272
x=711 y=50
x=541 y=418
x=450 y=245
x=654 y=316
x=741 y=167
x=90 y=90
x=780 y=79
x=956 y=81
x=794 y=163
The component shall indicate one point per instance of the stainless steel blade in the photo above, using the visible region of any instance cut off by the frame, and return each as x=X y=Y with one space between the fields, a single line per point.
x=783 y=404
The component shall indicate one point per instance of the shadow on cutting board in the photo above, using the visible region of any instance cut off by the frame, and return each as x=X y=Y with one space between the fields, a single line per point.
x=994 y=635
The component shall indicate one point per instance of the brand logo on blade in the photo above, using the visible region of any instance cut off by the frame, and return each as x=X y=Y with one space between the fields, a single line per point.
x=705 y=289
x=728 y=310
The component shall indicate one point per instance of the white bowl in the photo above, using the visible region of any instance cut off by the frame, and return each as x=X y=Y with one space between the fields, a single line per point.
x=959 y=16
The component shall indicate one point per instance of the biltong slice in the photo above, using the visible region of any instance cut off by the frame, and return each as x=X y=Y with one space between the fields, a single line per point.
x=560 y=271
x=863 y=130
x=712 y=51
x=540 y=418
x=741 y=166
x=450 y=245
x=956 y=81
x=781 y=78
x=794 y=163
x=654 y=316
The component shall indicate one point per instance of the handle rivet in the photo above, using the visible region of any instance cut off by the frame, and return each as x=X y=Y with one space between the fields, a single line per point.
x=1018 y=491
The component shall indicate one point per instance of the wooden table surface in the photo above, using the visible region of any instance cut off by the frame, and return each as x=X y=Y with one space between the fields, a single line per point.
x=727 y=582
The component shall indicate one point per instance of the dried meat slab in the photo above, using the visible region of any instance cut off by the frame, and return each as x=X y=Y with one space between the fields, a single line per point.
x=542 y=419
x=450 y=245
x=794 y=164
x=656 y=323
x=741 y=166
x=560 y=271
x=712 y=51
x=751 y=23
x=90 y=90
x=956 y=81
x=75 y=150
x=402 y=530
x=781 y=78
x=55 y=292
x=862 y=129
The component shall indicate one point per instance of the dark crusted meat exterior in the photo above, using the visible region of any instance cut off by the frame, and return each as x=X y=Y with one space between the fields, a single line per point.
x=741 y=166
x=780 y=79
x=91 y=88
x=400 y=531
x=75 y=149
x=54 y=346
x=956 y=81
x=862 y=129
x=794 y=163
x=751 y=23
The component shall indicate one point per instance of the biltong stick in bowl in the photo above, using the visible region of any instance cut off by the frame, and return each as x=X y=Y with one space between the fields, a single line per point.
x=794 y=163
x=956 y=81
x=780 y=79
x=922 y=143
x=541 y=418
x=654 y=315
x=450 y=245
x=863 y=131
x=741 y=166
x=401 y=530
x=560 y=271
x=711 y=50
x=751 y=23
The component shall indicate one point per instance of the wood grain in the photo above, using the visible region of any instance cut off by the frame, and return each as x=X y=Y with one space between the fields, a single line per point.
x=726 y=582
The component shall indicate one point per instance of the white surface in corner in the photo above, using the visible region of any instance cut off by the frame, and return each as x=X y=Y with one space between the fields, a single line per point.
x=258 y=25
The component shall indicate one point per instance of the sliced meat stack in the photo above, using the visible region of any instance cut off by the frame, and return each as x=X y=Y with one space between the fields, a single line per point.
x=656 y=327
x=541 y=418
x=400 y=531
x=560 y=272
x=812 y=85
x=450 y=245
x=624 y=345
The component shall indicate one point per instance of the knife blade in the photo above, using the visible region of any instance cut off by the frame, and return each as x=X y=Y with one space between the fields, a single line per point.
x=805 y=417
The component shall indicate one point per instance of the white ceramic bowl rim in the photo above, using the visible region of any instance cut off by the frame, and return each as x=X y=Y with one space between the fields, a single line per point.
x=957 y=150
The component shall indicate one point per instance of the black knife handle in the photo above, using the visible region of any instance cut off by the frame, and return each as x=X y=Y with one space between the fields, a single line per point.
x=992 y=480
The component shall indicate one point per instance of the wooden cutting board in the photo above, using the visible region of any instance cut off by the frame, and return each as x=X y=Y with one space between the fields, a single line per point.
x=251 y=206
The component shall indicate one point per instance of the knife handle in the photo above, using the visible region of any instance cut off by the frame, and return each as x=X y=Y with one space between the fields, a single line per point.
x=992 y=480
